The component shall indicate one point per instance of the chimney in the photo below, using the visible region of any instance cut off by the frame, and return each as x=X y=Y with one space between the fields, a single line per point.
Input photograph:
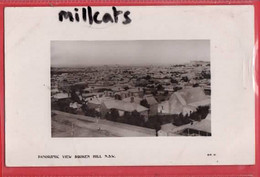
x=132 y=99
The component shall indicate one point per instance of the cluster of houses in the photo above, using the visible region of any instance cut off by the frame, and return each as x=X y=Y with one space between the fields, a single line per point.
x=149 y=91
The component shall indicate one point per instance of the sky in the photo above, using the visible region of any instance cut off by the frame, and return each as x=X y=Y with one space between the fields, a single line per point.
x=149 y=52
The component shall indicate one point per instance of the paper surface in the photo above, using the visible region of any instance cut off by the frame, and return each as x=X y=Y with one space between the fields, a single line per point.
x=29 y=34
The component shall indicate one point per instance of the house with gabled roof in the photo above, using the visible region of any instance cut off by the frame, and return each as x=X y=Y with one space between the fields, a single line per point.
x=184 y=101
x=122 y=107
x=133 y=99
x=195 y=128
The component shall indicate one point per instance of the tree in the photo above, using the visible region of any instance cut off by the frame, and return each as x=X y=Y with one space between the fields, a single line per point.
x=90 y=111
x=103 y=90
x=126 y=87
x=63 y=104
x=127 y=117
x=118 y=97
x=205 y=74
x=195 y=85
x=159 y=87
x=147 y=77
x=177 y=88
x=185 y=79
x=174 y=81
x=145 y=103
x=166 y=92
x=154 y=92
x=157 y=127
x=114 y=114
x=202 y=112
x=154 y=122
x=137 y=119
x=144 y=91
x=81 y=91
x=74 y=96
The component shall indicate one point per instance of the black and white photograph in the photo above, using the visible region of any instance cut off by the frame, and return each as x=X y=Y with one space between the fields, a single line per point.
x=133 y=88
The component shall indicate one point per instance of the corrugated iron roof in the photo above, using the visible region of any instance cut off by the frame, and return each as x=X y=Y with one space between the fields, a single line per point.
x=124 y=106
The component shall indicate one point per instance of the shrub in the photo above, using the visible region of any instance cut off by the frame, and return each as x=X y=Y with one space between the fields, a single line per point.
x=90 y=111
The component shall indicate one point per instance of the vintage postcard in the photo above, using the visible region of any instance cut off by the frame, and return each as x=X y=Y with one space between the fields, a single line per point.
x=127 y=86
